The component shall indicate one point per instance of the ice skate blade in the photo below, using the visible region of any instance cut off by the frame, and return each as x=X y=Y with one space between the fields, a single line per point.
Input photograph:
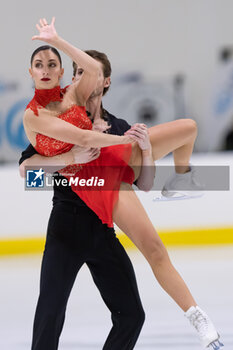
x=215 y=345
x=162 y=198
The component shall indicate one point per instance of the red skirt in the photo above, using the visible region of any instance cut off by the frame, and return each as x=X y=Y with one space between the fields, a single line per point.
x=97 y=183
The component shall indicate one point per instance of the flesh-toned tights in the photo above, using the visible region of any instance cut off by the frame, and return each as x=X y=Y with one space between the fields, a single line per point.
x=129 y=215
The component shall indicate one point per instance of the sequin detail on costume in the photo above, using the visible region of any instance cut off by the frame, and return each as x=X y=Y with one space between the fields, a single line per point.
x=50 y=146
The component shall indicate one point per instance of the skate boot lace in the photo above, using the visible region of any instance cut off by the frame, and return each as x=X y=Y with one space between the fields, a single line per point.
x=200 y=322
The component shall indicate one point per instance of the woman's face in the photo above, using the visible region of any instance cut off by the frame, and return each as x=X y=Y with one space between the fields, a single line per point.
x=46 y=70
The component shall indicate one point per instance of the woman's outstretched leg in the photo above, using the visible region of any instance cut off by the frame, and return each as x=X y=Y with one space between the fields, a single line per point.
x=132 y=219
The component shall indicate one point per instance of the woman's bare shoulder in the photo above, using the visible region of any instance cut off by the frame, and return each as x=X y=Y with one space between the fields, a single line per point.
x=28 y=114
x=42 y=112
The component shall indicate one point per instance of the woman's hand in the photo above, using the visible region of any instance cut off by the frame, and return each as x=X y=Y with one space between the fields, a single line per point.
x=139 y=133
x=47 y=32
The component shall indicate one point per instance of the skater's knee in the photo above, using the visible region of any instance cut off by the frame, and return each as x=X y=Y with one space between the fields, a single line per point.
x=191 y=126
x=156 y=253
x=140 y=318
x=135 y=320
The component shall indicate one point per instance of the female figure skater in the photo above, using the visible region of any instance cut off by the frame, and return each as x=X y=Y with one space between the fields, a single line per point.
x=49 y=117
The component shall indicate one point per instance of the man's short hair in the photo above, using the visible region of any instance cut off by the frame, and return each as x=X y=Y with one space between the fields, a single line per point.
x=101 y=57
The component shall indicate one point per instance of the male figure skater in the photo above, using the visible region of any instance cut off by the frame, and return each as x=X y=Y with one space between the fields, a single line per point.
x=76 y=236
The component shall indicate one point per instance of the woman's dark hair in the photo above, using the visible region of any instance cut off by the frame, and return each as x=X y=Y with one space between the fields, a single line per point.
x=46 y=47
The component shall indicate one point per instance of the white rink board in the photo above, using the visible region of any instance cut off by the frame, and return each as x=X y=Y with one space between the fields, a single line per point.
x=25 y=213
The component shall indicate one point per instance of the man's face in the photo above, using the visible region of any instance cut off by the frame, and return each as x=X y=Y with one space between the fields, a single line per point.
x=102 y=82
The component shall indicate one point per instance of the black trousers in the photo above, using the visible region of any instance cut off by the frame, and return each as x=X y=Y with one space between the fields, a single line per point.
x=76 y=236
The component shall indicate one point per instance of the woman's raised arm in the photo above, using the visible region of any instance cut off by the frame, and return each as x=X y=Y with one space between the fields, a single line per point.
x=88 y=80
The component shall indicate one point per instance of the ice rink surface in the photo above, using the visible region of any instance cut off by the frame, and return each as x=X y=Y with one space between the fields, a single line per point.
x=208 y=272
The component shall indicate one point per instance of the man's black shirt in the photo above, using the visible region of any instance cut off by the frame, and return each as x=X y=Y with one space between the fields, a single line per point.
x=63 y=193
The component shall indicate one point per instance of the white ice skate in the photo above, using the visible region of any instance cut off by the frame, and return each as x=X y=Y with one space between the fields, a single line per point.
x=181 y=186
x=206 y=331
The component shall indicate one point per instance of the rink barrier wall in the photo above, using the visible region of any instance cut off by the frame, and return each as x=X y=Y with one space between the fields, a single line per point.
x=201 y=221
x=182 y=238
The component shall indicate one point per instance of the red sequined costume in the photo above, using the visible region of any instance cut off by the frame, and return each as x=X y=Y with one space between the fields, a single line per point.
x=111 y=165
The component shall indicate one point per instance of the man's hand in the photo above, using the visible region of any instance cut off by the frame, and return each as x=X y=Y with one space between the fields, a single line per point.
x=139 y=133
x=83 y=155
